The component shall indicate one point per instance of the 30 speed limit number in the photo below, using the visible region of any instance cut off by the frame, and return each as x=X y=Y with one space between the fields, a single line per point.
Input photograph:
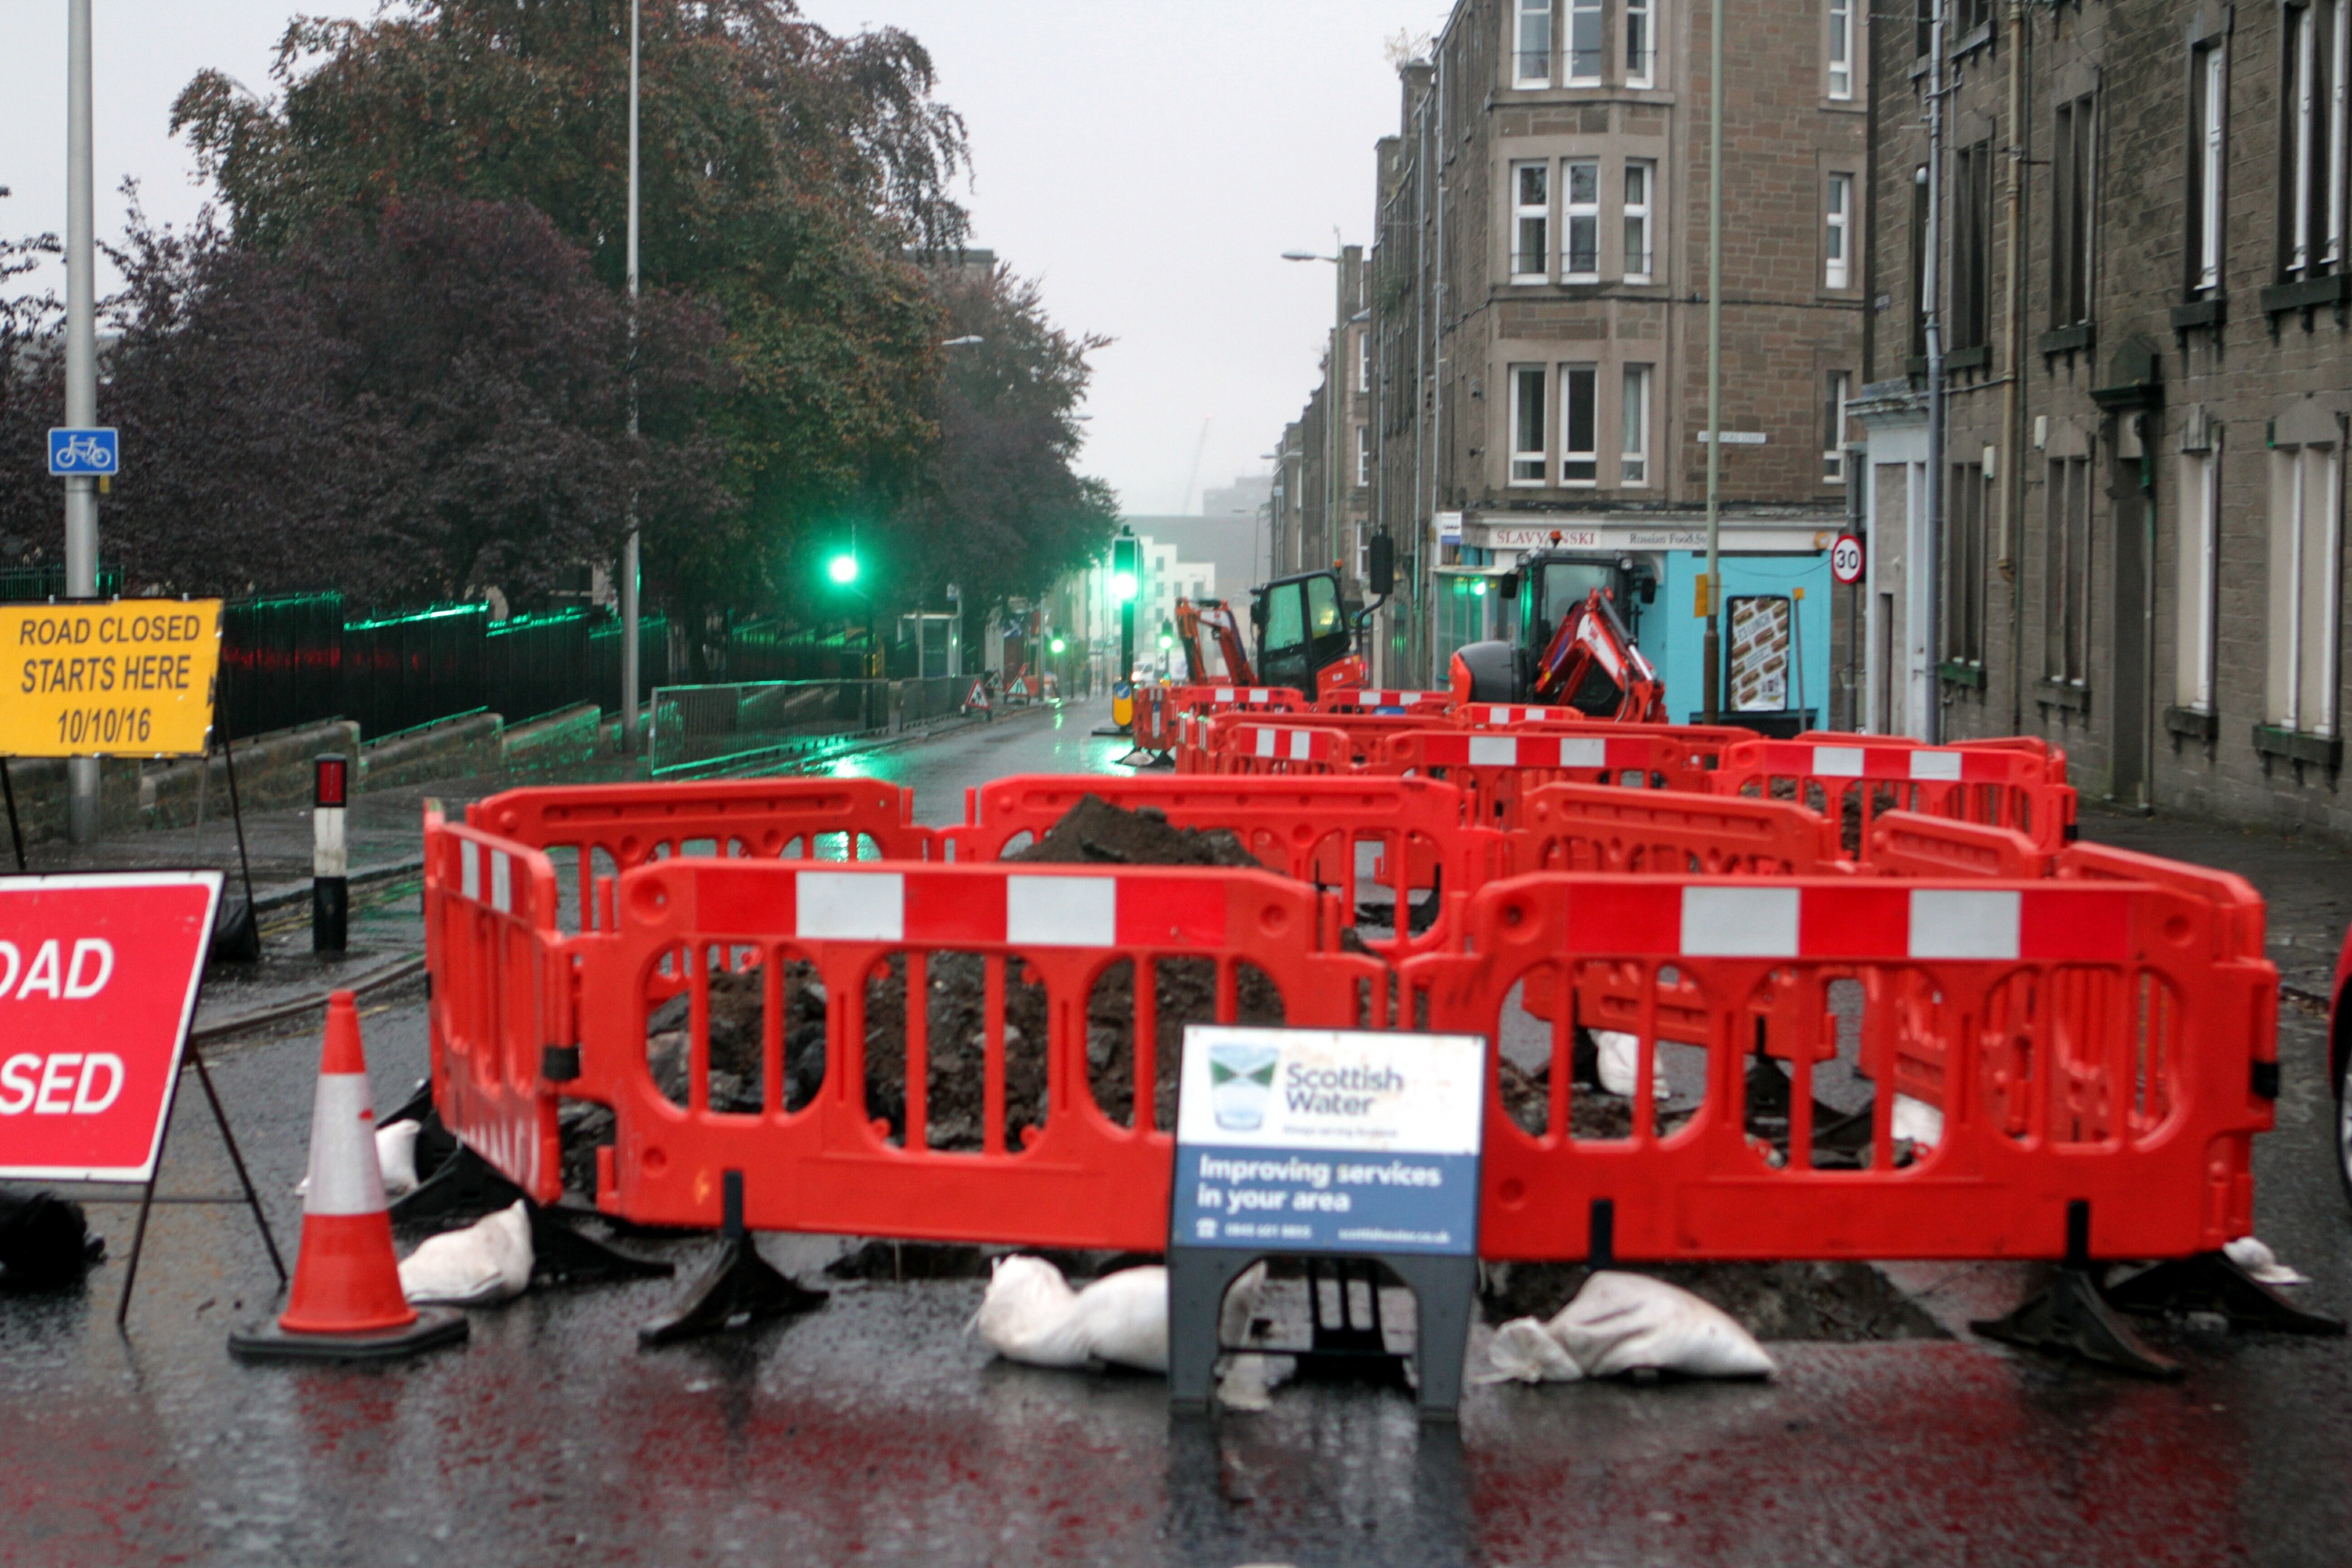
x=1846 y=559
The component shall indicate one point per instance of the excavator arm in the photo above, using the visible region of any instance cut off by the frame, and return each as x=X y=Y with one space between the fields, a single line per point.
x=1215 y=619
x=1592 y=665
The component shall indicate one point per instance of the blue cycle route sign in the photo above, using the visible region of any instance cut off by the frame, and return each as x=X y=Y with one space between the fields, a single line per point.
x=84 y=452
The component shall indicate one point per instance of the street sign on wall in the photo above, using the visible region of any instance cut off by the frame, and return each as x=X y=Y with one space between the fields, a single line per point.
x=1329 y=1141
x=98 y=985
x=96 y=452
x=1846 y=559
x=135 y=678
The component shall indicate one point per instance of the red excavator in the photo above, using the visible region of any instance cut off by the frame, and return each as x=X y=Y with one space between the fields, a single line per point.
x=1305 y=638
x=1591 y=664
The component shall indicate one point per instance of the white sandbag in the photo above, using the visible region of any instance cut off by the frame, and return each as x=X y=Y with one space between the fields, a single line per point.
x=1917 y=1120
x=1524 y=1351
x=1630 y=1323
x=2259 y=1261
x=395 y=1155
x=489 y=1260
x=1618 y=1058
x=1024 y=1315
x=1030 y=1314
x=1122 y=1318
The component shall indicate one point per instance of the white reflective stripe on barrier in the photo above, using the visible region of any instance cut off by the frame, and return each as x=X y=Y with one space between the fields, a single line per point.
x=1863 y=921
x=1494 y=751
x=853 y=906
x=1583 y=752
x=1061 y=911
x=1302 y=745
x=1222 y=694
x=1739 y=923
x=502 y=882
x=470 y=862
x=1265 y=742
x=345 y=1176
x=1837 y=762
x=1927 y=764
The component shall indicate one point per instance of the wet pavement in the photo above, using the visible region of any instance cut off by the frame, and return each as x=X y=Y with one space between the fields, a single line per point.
x=878 y=1430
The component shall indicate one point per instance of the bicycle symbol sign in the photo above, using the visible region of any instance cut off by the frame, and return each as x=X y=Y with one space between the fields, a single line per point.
x=93 y=451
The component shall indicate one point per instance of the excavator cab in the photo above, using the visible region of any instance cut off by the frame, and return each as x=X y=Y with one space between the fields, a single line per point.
x=1571 y=639
x=1302 y=630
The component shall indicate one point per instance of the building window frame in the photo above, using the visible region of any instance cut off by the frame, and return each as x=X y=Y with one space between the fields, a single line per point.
x=2067 y=571
x=2306 y=557
x=2316 y=59
x=1363 y=455
x=1639 y=214
x=1531 y=460
x=1579 y=220
x=1585 y=52
x=1531 y=43
x=1836 y=393
x=2199 y=542
x=2209 y=79
x=1971 y=209
x=1531 y=188
x=1642 y=42
x=2074 y=187
x=1963 y=567
x=1840 y=53
x=1579 y=426
x=1837 y=232
x=1363 y=359
x=1633 y=428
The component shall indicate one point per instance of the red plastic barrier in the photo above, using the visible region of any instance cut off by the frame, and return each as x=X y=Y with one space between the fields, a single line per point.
x=1857 y=778
x=1431 y=704
x=628 y=823
x=1318 y=830
x=1908 y=844
x=1074 y=1176
x=500 y=994
x=1271 y=750
x=1604 y=829
x=2096 y=1051
x=1494 y=772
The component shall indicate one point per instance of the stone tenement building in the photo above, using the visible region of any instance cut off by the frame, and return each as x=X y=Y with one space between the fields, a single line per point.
x=2142 y=557
x=1538 y=359
x=1322 y=496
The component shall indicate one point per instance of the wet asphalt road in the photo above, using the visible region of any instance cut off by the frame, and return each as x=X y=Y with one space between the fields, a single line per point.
x=876 y=1431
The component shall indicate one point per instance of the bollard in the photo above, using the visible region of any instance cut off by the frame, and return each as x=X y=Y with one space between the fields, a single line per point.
x=331 y=902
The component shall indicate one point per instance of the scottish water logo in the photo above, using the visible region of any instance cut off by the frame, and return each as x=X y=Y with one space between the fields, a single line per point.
x=1241 y=1082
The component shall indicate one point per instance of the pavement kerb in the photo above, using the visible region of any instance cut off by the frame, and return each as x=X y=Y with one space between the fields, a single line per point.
x=375 y=979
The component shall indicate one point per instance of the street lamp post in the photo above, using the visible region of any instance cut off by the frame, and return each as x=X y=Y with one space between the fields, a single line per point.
x=81 y=377
x=629 y=569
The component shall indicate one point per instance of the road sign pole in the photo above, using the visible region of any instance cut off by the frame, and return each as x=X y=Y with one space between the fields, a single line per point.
x=81 y=377
x=629 y=607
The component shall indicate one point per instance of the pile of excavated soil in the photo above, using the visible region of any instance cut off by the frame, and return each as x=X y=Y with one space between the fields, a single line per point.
x=1095 y=831
x=1841 y=1303
x=1591 y=1113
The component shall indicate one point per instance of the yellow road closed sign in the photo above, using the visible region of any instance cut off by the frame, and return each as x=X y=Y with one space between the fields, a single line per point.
x=136 y=678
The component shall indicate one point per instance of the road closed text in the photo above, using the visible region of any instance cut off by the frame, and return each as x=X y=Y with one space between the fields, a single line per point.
x=131 y=679
x=57 y=1083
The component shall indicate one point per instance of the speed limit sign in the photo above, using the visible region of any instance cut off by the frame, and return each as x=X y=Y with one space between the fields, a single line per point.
x=1846 y=559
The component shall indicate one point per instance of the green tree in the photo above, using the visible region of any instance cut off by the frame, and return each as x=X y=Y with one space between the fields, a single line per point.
x=786 y=171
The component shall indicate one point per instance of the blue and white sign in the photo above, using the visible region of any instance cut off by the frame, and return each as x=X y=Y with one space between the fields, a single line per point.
x=73 y=452
x=1329 y=1141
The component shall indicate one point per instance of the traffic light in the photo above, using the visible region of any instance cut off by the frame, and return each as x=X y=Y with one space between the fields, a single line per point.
x=843 y=568
x=1126 y=563
x=1057 y=645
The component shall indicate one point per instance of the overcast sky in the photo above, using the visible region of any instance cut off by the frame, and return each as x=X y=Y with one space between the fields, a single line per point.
x=1149 y=162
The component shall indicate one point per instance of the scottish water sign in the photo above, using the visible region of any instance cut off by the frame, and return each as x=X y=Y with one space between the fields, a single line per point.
x=1329 y=1141
x=95 y=451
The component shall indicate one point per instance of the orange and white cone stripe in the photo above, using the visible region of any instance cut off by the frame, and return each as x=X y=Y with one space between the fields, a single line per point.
x=347 y=1278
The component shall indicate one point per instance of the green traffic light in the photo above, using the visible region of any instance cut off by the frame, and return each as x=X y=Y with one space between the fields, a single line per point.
x=1058 y=645
x=1122 y=586
x=843 y=568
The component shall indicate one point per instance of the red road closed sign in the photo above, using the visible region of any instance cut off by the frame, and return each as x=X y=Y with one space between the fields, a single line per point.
x=97 y=985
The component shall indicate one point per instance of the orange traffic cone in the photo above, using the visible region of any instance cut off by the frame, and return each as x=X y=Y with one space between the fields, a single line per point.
x=346 y=1302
